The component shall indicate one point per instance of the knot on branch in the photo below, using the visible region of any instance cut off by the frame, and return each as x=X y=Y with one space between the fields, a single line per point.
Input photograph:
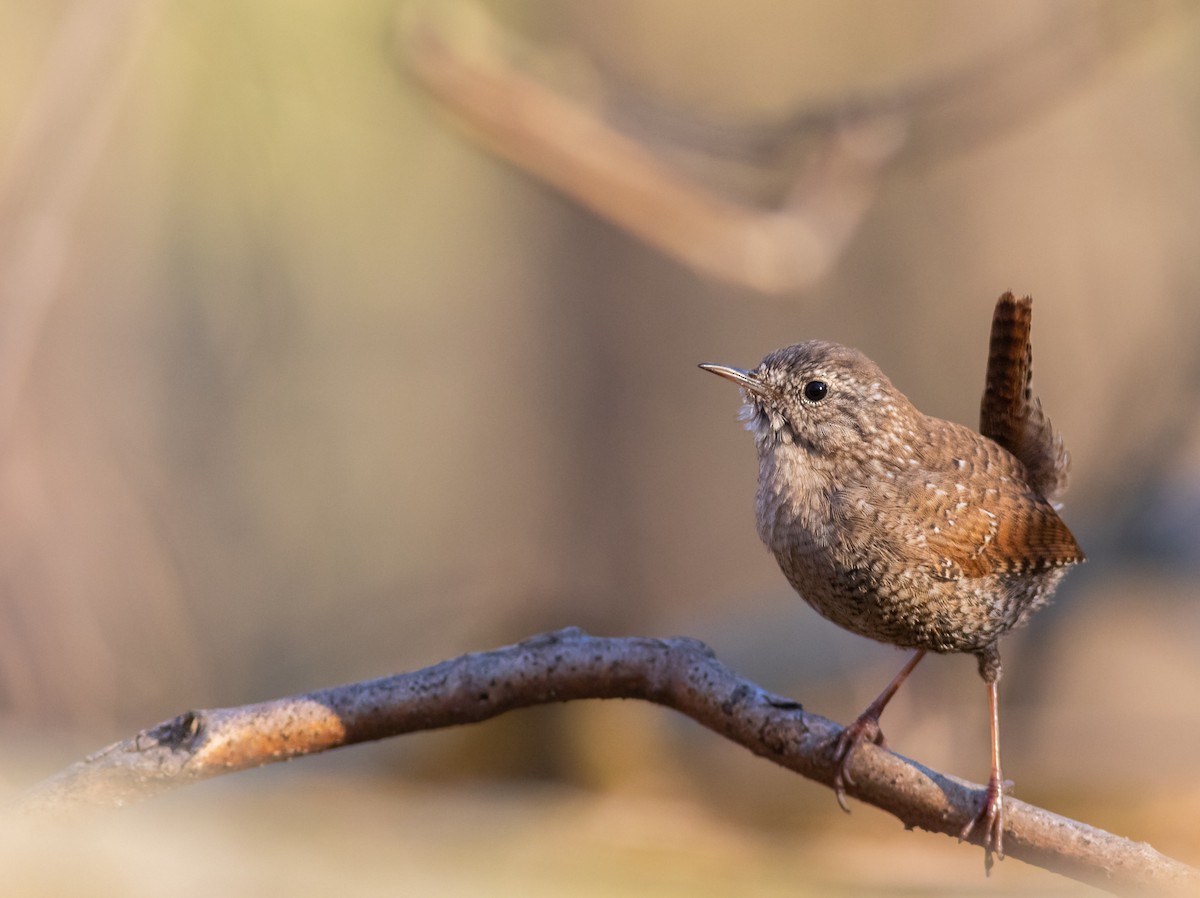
x=179 y=733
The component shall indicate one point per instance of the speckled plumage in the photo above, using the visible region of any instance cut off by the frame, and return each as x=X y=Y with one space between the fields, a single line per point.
x=903 y=527
x=893 y=524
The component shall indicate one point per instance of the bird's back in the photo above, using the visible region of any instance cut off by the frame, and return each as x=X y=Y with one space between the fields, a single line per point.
x=945 y=549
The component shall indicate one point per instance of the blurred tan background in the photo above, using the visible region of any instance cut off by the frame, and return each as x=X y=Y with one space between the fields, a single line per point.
x=299 y=385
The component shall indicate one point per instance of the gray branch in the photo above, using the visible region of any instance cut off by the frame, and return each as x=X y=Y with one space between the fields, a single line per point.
x=564 y=666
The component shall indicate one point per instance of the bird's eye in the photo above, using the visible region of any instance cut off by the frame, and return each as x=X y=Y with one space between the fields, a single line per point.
x=815 y=390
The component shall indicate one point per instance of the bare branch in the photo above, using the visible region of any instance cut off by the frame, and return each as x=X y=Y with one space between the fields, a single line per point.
x=564 y=666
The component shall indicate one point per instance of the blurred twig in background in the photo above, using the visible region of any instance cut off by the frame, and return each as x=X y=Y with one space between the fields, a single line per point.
x=482 y=76
x=467 y=62
x=568 y=665
x=64 y=130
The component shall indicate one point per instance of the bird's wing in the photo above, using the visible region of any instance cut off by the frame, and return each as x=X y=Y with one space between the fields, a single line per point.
x=1019 y=536
x=954 y=535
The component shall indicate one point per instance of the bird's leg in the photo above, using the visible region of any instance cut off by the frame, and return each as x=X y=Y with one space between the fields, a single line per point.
x=865 y=729
x=991 y=814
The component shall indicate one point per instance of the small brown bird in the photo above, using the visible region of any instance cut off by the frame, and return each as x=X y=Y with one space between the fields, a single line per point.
x=906 y=528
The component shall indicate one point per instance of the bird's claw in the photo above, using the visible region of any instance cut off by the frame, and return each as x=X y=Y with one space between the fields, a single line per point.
x=864 y=729
x=991 y=819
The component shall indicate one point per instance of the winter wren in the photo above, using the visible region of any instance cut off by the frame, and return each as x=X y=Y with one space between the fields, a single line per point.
x=906 y=528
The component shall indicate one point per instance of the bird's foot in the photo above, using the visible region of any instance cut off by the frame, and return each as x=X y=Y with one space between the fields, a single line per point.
x=990 y=820
x=864 y=729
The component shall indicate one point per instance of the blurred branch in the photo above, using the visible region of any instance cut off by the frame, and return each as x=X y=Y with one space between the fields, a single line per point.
x=466 y=62
x=568 y=665
x=59 y=140
x=479 y=74
x=49 y=161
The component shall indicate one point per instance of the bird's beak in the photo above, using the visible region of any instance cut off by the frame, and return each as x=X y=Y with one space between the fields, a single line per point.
x=747 y=380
